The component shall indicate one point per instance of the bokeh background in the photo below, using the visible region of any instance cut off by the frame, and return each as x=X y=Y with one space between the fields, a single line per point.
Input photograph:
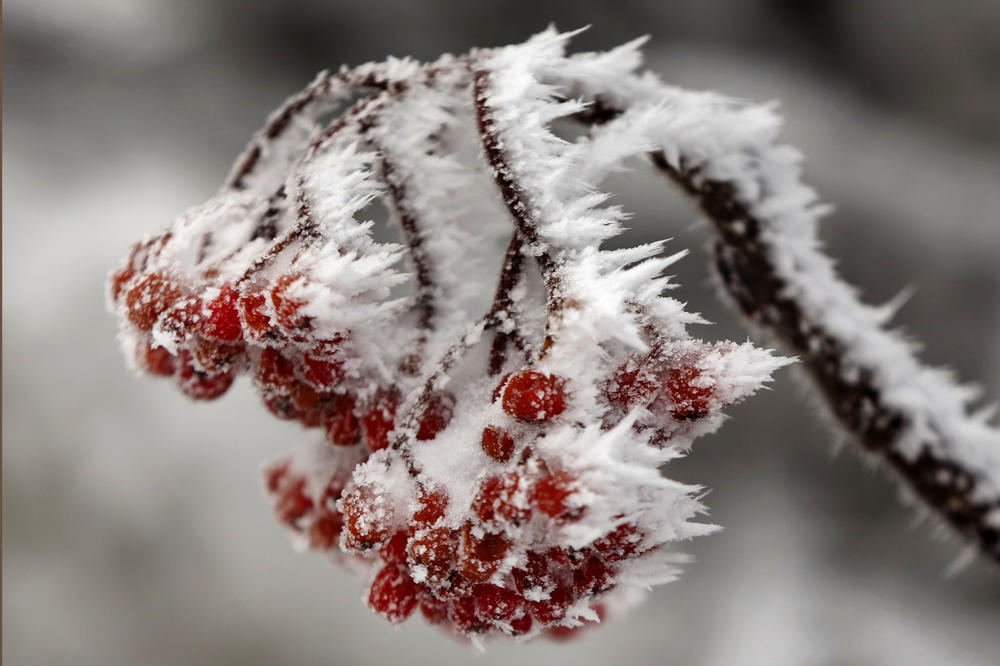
x=134 y=531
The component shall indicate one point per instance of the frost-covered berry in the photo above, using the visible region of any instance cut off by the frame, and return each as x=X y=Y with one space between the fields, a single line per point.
x=200 y=385
x=148 y=297
x=222 y=321
x=287 y=307
x=533 y=396
x=480 y=553
x=368 y=515
x=432 y=552
x=342 y=427
x=689 y=400
x=393 y=594
x=155 y=360
x=550 y=494
x=321 y=374
x=380 y=419
x=497 y=443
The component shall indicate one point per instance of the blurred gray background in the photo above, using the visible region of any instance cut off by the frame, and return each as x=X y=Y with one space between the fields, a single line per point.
x=133 y=527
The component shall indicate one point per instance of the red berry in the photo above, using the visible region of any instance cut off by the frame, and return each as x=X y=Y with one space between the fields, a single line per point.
x=593 y=577
x=498 y=498
x=551 y=492
x=199 y=385
x=293 y=503
x=620 y=543
x=322 y=375
x=368 y=518
x=394 y=552
x=155 y=360
x=532 y=396
x=274 y=371
x=521 y=625
x=534 y=573
x=497 y=443
x=324 y=530
x=214 y=356
x=379 y=420
x=253 y=306
x=223 y=319
x=182 y=319
x=393 y=594
x=118 y=280
x=287 y=309
x=148 y=297
x=434 y=611
x=496 y=603
x=433 y=549
x=341 y=424
x=462 y=614
x=690 y=402
x=274 y=475
x=554 y=608
x=479 y=557
x=281 y=407
x=431 y=505
x=632 y=384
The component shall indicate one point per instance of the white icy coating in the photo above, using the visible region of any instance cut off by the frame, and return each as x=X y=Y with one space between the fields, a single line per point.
x=733 y=141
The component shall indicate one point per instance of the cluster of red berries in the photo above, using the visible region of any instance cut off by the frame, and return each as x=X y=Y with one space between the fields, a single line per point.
x=495 y=565
x=492 y=566
x=216 y=332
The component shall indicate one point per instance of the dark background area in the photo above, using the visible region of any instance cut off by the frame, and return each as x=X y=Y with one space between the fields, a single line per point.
x=133 y=527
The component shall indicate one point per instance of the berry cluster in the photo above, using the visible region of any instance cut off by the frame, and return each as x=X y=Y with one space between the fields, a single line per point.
x=493 y=463
x=497 y=563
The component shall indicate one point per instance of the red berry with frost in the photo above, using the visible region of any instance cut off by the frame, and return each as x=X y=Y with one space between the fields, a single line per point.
x=199 y=385
x=497 y=443
x=394 y=552
x=155 y=360
x=593 y=577
x=497 y=603
x=222 y=320
x=379 y=420
x=688 y=397
x=253 y=306
x=287 y=307
x=550 y=494
x=480 y=555
x=462 y=614
x=434 y=550
x=620 y=543
x=368 y=518
x=553 y=609
x=119 y=280
x=520 y=625
x=533 y=574
x=148 y=297
x=499 y=497
x=324 y=530
x=436 y=416
x=431 y=505
x=214 y=356
x=342 y=427
x=274 y=475
x=292 y=503
x=274 y=371
x=433 y=610
x=321 y=374
x=532 y=396
x=393 y=594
